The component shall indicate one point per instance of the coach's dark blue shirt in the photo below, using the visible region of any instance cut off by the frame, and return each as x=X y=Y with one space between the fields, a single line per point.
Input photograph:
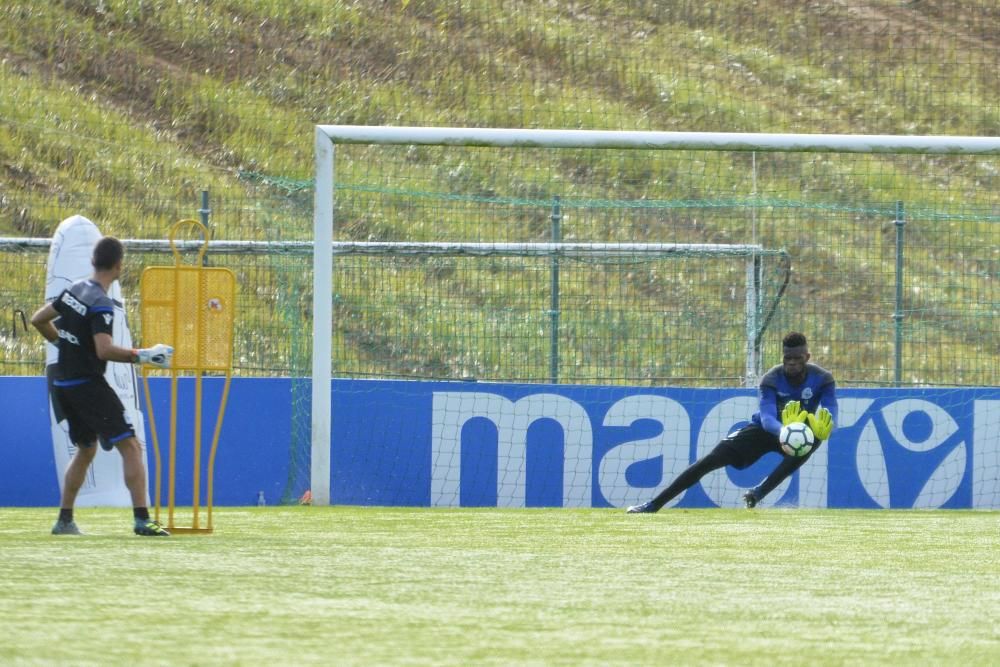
x=84 y=310
x=775 y=391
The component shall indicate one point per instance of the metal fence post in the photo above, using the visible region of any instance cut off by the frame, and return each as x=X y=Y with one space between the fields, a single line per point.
x=204 y=212
x=554 y=298
x=898 y=315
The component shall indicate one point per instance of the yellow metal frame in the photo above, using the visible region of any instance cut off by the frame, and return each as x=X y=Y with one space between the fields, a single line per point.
x=192 y=308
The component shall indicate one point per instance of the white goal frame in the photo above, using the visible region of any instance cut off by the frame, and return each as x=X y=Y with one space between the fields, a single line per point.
x=328 y=136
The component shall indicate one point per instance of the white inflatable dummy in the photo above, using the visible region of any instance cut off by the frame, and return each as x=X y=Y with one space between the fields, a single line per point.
x=69 y=261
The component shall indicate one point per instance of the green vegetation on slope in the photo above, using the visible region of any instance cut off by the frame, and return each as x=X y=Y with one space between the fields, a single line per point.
x=125 y=111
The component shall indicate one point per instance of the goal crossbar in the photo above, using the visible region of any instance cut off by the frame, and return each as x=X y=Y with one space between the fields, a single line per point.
x=714 y=141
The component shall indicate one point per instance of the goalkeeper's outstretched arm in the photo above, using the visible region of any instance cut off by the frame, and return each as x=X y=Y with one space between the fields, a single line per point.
x=768 y=409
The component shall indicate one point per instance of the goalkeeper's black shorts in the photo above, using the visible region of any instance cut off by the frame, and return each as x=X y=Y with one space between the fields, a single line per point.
x=93 y=411
x=742 y=448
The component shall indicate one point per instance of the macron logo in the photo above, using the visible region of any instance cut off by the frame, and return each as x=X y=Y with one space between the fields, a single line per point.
x=68 y=337
x=71 y=301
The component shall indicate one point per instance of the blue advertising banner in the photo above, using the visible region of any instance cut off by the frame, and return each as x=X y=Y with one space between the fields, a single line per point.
x=506 y=445
x=253 y=452
x=449 y=444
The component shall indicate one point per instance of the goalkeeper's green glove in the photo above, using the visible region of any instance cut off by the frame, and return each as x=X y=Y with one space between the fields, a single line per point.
x=821 y=423
x=793 y=412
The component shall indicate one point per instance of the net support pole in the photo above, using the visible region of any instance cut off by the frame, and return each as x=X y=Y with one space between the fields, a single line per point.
x=752 y=309
x=322 y=333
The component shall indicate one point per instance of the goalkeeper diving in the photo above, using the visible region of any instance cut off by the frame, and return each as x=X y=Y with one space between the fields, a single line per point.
x=793 y=391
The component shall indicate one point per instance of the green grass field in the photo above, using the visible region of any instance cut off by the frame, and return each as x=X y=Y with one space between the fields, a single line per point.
x=416 y=586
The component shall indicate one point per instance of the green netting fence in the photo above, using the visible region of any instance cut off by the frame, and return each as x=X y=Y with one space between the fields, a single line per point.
x=891 y=293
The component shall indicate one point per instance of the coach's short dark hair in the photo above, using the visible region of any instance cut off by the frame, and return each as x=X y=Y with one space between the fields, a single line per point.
x=794 y=339
x=108 y=252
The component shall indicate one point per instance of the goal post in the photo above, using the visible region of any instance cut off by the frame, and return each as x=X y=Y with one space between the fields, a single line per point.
x=329 y=137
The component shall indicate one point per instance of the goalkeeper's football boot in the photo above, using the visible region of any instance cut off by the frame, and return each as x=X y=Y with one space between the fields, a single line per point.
x=750 y=499
x=66 y=528
x=645 y=508
x=149 y=528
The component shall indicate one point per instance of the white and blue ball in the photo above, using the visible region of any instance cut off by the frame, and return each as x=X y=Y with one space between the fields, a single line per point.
x=796 y=439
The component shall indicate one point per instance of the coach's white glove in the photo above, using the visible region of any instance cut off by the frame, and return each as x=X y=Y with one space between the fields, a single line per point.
x=158 y=355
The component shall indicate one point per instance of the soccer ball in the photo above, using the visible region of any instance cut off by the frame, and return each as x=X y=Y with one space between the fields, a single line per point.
x=796 y=439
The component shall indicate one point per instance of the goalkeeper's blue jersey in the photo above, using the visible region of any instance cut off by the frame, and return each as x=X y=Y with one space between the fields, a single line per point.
x=775 y=391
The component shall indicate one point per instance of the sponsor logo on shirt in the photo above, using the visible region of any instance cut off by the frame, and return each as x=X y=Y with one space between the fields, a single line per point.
x=71 y=301
x=68 y=337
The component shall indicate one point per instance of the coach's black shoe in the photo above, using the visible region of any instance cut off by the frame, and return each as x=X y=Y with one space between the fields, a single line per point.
x=150 y=528
x=66 y=528
x=645 y=508
x=750 y=499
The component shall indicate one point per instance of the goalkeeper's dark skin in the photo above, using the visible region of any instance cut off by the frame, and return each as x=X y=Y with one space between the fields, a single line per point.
x=795 y=390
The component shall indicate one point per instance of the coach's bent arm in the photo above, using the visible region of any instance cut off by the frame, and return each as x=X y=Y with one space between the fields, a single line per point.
x=42 y=320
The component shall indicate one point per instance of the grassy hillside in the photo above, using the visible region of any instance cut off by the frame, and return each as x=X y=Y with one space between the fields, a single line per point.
x=220 y=86
x=127 y=110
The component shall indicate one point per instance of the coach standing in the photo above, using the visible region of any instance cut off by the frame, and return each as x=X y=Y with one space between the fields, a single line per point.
x=79 y=322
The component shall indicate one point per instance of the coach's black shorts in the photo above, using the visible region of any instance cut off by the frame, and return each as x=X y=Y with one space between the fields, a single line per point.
x=744 y=447
x=93 y=411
